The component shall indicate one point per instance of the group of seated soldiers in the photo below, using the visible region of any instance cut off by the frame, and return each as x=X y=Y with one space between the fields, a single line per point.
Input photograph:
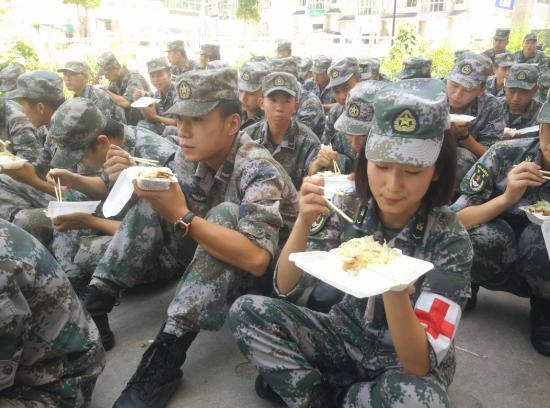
x=245 y=146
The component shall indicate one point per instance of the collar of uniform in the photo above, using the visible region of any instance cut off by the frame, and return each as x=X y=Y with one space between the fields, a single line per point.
x=289 y=141
x=226 y=169
x=531 y=153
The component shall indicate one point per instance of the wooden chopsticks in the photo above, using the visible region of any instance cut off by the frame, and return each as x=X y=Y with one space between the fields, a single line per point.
x=147 y=162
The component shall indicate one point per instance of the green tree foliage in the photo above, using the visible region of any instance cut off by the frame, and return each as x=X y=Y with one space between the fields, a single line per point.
x=19 y=51
x=87 y=4
x=248 y=10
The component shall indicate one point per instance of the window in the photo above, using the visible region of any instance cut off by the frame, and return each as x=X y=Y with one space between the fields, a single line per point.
x=367 y=7
x=433 y=6
x=302 y=3
x=411 y=3
x=189 y=5
x=316 y=5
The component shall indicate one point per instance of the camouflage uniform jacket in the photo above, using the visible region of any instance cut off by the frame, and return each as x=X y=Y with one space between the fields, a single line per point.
x=105 y=104
x=297 y=151
x=125 y=87
x=250 y=178
x=487 y=179
x=166 y=100
x=333 y=116
x=490 y=53
x=310 y=112
x=49 y=342
x=16 y=128
x=489 y=124
x=526 y=119
x=436 y=236
x=491 y=87
x=325 y=94
x=246 y=121
x=176 y=72
x=46 y=153
x=537 y=58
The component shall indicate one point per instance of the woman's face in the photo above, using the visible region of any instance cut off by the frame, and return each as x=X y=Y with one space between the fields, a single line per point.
x=399 y=189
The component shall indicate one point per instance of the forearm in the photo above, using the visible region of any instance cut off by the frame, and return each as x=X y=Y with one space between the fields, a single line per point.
x=408 y=336
x=104 y=225
x=474 y=146
x=93 y=187
x=483 y=213
x=288 y=274
x=165 y=121
x=120 y=100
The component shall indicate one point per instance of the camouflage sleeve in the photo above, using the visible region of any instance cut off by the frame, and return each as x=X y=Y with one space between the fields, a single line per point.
x=311 y=112
x=329 y=132
x=109 y=108
x=261 y=187
x=22 y=135
x=489 y=129
x=134 y=84
x=45 y=157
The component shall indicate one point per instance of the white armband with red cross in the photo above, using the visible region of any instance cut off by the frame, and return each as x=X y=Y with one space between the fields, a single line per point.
x=440 y=317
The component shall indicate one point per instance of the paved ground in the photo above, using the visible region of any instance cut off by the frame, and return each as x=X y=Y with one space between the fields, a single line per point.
x=497 y=367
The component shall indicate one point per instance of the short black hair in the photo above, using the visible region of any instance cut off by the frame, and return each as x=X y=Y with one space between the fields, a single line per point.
x=51 y=103
x=229 y=107
x=113 y=130
x=440 y=192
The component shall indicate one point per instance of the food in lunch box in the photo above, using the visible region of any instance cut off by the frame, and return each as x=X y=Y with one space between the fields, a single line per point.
x=540 y=207
x=359 y=253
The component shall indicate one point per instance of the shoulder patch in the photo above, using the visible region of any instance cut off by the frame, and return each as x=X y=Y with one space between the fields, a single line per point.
x=479 y=179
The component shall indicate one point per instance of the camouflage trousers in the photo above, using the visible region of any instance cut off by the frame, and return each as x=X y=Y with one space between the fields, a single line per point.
x=465 y=161
x=295 y=349
x=512 y=259
x=24 y=206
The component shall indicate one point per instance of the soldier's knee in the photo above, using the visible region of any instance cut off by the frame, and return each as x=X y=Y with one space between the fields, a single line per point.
x=239 y=310
x=402 y=390
x=225 y=214
x=496 y=233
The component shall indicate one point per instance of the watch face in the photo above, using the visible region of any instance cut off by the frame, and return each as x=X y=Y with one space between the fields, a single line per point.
x=181 y=227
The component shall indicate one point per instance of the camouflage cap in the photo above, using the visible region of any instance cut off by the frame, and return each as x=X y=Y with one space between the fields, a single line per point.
x=523 y=76
x=9 y=75
x=38 y=85
x=410 y=118
x=284 y=45
x=305 y=66
x=471 y=71
x=212 y=51
x=459 y=54
x=359 y=110
x=259 y=58
x=505 y=59
x=201 y=91
x=157 y=64
x=280 y=81
x=76 y=67
x=502 y=34
x=251 y=76
x=75 y=124
x=530 y=37
x=544 y=87
x=342 y=71
x=544 y=113
x=107 y=61
x=369 y=68
x=217 y=64
x=321 y=64
x=416 y=67
x=287 y=64
x=177 y=45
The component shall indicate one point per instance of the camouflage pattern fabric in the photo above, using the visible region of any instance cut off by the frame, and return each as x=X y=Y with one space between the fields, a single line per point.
x=251 y=76
x=51 y=355
x=297 y=151
x=38 y=85
x=544 y=113
x=544 y=86
x=177 y=71
x=537 y=58
x=212 y=51
x=325 y=94
x=338 y=140
x=104 y=103
x=125 y=87
x=341 y=71
x=246 y=121
x=526 y=119
x=310 y=112
x=416 y=67
x=157 y=64
x=9 y=75
x=492 y=87
x=522 y=76
x=166 y=102
x=16 y=128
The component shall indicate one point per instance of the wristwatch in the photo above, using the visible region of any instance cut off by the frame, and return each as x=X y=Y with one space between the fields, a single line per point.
x=183 y=224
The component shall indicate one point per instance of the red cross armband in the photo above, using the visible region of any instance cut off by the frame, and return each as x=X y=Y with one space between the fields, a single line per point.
x=439 y=316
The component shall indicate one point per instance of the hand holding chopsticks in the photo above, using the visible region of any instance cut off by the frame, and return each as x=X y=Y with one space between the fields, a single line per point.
x=147 y=162
x=545 y=174
x=58 y=191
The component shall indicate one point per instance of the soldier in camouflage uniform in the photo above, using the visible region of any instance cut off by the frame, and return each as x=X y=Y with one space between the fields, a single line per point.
x=290 y=142
x=76 y=75
x=208 y=53
x=17 y=129
x=416 y=67
x=250 y=92
x=178 y=59
x=501 y=67
x=466 y=91
x=520 y=109
x=156 y=118
x=529 y=54
x=510 y=253
x=500 y=41
x=51 y=356
x=355 y=356
x=123 y=85
x=305 y=70
x=284 y=49
x=9 y=75
x=318 y=84
x=544 y=86
x=369 y=69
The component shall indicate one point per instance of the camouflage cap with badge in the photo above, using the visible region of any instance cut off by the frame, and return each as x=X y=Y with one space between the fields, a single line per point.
x=359 y=110
x=544 y=113
x=341 y=71
x=505 y=59
x=502 y=34
x=177 y=45
x=9 y=75
x=530 y=37
x=38 y=85
x=471 y=71
x=251 y=76
x=280 y=81
x=75 y=67
x=212 y=51
x=410 y=118
x=287 y=64
x=522 y=76
x=321 y=64
x=544 y=86
x=199 y=92
x=157 y=64
x=416 y=67
x=75 y=124
x=369 y=68
x=107 y=61
x=305 y=67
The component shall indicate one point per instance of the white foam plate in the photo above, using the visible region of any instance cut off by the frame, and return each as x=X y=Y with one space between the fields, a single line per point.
x=9 y=164
x=461 y=118
x=535 y=218
x=144 y=102
x=57 y=209
x=371 y=281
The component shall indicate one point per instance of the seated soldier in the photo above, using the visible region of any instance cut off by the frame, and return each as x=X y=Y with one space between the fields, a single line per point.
x=178 y=59
x=466 y=92
x=51 y=354
x=208 y=53
x=500 y=42
x=416 y=67
x=318 y=84
x=122 y=85
x=393 y=349
x=305 y=71
x=369 y=69
x=509 y=251
x=155 y=115
x=9 y=75
x=520 y=107
x=250 y=92
x=223 y=231
x=543 y=86
x=501 y=68
x=529 y=53
x=291 y=143
x=76 y=75
x=284 y=49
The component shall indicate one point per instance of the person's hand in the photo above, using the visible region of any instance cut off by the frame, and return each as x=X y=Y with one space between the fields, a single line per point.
x=68 y=222
x=312 y=200
x=67 y=178
x=460 y=130
x=117 y=159
x=150 y=113
x=521 y=177
x=324 y=159
x=138 y=93
x=169 y=204
x=25 y=174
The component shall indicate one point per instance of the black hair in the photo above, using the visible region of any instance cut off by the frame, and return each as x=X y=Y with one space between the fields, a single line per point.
x=52 y=104
x=441 y=190
x=229 y=107
x=113 y=130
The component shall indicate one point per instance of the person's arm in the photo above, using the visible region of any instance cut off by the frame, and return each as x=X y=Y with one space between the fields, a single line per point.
x=119 y=100
x=474 y=146
x=78 y=221
x=94 y=187
x=22 y=134
x=150 y=113
x=328 y=106
x=27 y=175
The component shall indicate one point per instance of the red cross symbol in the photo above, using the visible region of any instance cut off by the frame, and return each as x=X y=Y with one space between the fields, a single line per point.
x=435 y=319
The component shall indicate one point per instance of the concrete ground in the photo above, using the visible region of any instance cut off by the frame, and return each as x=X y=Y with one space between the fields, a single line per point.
x=497 y=367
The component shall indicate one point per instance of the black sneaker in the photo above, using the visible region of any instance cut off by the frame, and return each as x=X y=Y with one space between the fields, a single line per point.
x=105 y=332
x=264 y=391
x=540 y=325
x=472 y=302
x=98 y=304
x=158 y=374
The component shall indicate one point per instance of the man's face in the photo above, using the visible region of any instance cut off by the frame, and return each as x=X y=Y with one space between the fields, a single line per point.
x=113 y=74
x=94 y=157
x=499 y=45
x=172 y=57
x=283 y=54
x=501 y=73
x=161 y=79
x=251 y=101
x=529 y=47
x=357 y=142
x=544 y=137
x=518 y=99
x=322 y=79
x=75 y=82
x=39 y=114
x=341 y=92
x=460 y=97
x=279 y=107
x=203 y=61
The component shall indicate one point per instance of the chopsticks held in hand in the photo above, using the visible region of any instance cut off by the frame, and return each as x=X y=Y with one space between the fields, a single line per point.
x=339 y=211
x=546 y=174
x=57 y=189
x=147 y=162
